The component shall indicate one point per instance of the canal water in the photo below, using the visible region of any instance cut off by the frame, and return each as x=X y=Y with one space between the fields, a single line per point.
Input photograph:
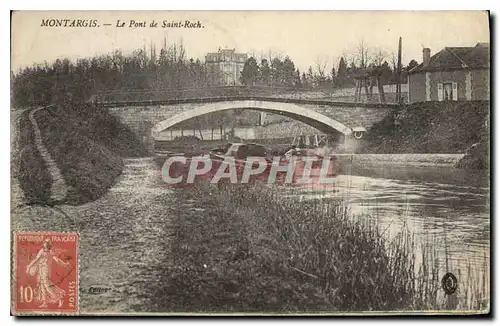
x=444 y=210
x=440 y=206
x=125 y=236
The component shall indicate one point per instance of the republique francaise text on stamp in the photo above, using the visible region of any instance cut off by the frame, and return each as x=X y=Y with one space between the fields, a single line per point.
x=45 y=273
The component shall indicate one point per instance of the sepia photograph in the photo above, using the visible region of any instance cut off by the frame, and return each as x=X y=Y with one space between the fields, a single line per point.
x=250 y=163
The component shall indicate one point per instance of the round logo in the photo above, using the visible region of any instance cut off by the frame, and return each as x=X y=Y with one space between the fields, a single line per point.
x=449 y=283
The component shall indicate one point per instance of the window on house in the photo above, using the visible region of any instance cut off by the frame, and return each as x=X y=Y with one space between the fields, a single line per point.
x=447 y=92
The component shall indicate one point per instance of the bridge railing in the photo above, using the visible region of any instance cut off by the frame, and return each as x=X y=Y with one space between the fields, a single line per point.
x=328 y=103
x=134 y=95
x=190 y=93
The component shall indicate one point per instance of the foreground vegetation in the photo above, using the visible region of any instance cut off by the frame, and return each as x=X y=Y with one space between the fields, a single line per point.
x=87 y=144
x=249 y=249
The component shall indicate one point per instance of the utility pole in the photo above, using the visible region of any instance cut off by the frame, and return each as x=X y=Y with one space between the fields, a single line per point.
x=398 y=73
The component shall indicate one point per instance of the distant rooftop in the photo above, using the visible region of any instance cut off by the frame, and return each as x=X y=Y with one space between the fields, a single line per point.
x=450 y=58
x=226 y=55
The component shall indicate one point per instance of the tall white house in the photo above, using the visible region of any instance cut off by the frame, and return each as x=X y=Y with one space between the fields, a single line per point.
x=225 y=66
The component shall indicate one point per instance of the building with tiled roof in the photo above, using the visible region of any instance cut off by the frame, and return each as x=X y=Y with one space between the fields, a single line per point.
x=452 y=74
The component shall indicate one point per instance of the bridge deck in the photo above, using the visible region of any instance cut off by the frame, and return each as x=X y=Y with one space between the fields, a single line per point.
x=320 y=96
x=111 y=104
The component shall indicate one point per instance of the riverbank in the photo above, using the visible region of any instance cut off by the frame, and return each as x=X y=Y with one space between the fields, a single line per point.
x=86 y=143
x=284 y=256
x=429 y=127
x=124 y=241
x=404 y=159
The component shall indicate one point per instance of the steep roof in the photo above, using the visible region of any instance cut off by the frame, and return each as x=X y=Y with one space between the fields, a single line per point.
x=451 y=58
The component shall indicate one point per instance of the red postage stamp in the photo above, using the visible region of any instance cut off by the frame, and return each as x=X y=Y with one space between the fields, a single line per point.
x=45 y=273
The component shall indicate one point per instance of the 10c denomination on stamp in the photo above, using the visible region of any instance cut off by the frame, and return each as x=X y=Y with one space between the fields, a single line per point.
x=45 y=273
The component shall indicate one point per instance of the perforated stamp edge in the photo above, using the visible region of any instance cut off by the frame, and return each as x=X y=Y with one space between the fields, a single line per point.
x=13 y=282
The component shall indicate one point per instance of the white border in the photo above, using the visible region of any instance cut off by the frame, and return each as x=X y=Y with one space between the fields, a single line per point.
x=5 y=319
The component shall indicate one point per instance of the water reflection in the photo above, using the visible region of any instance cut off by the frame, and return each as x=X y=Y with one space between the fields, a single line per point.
x=447 y=208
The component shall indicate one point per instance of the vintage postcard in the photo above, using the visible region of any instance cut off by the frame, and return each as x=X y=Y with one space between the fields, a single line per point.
x=250 y=163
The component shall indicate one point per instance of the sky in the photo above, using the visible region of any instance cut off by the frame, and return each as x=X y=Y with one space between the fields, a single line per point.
x=308 y=37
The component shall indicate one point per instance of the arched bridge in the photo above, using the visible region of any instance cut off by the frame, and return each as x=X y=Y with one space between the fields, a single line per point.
x=149 y=118
x=311 y=117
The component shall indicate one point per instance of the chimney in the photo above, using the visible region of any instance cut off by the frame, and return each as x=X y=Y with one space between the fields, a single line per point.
x=426 y=56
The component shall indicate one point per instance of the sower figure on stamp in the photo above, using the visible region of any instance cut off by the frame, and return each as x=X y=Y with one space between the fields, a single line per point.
x=48 y=292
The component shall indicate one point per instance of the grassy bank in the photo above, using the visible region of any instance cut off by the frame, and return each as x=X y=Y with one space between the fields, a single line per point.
x=34 y=179
x=251 y=250
x=430 y=127
x=87 y=144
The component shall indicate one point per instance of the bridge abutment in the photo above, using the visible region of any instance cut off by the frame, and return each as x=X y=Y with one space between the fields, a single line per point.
x=142 y=127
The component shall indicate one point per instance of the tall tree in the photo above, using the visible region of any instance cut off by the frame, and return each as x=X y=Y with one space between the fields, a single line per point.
x=333 y=76
x=288 y=74
x=342 y=73
x=320 y=77
x=265 y=72
x=304 y=81
x=385 y=73
x=276 y=72
x=297 y=81
x=310 y=77
x=362 y=54
x=250 y=72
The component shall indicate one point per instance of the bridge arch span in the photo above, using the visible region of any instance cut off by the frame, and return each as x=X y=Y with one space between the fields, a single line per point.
x=297 y=112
